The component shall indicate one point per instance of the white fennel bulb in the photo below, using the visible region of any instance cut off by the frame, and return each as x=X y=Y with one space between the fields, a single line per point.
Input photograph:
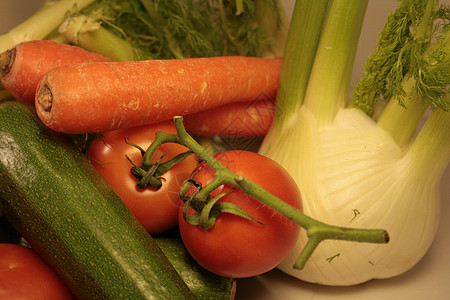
x=354 y=174
x=354 y=170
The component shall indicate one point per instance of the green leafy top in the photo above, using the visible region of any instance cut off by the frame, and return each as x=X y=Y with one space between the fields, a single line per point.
x=189 y=28
x=413 y=44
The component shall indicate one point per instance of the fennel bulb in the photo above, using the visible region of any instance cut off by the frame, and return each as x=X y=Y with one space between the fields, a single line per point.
x=354 y=174
x=354 y=170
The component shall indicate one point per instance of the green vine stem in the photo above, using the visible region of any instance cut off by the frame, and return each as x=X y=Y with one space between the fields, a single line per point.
x=317 y=231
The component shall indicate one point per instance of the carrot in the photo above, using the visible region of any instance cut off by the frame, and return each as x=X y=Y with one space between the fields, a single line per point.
x=32 y=60
x=238 y=119
x=98 y=97
x=23 y=66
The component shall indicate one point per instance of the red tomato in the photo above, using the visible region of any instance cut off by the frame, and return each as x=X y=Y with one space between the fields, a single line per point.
x=156 y=210
x=24 y=275
x=237 y=247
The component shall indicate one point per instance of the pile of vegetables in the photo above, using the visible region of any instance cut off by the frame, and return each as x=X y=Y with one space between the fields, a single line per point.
x=340 y=191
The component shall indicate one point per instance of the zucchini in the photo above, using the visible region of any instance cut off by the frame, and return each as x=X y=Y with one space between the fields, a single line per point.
x=67 y=213
x=204 y=284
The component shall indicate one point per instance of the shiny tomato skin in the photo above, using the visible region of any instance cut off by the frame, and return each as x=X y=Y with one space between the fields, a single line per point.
x=24 y=275
x=236 y=247
x=156 y=210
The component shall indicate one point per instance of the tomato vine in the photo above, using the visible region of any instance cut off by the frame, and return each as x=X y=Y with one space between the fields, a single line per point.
x=200 y=201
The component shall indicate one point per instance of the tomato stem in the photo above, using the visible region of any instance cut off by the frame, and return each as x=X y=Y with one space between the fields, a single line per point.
x=317 y=231
x=148 y=174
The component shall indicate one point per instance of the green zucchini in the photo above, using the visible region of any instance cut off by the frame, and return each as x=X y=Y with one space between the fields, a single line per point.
x=204 y=284
x=68 y=214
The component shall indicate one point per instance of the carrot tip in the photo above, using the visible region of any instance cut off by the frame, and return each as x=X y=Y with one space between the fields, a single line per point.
x=6 y=61
x=45 y=98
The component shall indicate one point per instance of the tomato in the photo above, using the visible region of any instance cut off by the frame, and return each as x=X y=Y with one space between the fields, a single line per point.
x=156 y=210
x=24 y=275
x=237 y=247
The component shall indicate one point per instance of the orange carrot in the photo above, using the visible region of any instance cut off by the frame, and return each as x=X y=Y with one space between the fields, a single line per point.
x=98 y=97
x=23 y=66
x=238 y=119
x=32 y=60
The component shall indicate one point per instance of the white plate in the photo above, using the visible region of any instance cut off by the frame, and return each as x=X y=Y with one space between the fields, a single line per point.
x=429 y=279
